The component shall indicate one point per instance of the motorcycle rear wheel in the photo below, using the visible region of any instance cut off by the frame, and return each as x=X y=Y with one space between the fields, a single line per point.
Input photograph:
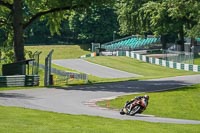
x=135 y=110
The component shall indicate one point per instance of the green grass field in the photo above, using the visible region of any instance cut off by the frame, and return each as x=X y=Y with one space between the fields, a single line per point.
x=197 y=60
x=20 y=120
x=60 y=51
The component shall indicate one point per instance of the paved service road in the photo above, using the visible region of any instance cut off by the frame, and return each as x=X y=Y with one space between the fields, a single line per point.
x=81 y=99
x=93 y=69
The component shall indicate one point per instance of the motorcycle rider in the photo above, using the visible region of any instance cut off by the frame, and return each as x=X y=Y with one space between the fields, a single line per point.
x=145 y=97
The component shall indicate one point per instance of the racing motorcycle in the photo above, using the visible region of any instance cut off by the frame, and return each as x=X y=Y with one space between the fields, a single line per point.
x=134 y=107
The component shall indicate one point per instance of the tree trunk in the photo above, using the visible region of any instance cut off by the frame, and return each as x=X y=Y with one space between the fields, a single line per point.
x=193 y=44
x=163 y=42
x=18 y=30
x=181 y=35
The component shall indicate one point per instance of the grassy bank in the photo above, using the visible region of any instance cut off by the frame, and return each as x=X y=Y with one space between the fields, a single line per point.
x=60 y=51
x=138 y=67
x=197 y=60
x=19 y=120
x=181 y=103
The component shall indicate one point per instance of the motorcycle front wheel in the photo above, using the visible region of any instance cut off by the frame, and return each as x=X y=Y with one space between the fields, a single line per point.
x=122 y=112
x=134 y=110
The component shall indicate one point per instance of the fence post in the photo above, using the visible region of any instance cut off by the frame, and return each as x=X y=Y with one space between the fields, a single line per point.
x=47 y=75
x=46 y=82
x=36 y=62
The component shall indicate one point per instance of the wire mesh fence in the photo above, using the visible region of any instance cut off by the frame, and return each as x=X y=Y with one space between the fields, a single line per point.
x=64 y=78
x=179 y=56
x=36 y=57
x=60 y=77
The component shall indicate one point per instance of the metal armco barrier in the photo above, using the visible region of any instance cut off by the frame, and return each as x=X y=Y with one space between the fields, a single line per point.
x=161 y=62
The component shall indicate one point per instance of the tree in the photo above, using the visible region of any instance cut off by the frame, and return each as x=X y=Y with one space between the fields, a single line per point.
x=180 y=17
x=173 y=16
x=159 y=21
x=19 y=14
x=130 y=19
x=95 y=25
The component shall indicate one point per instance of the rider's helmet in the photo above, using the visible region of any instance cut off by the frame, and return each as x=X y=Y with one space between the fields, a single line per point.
x=146 y=96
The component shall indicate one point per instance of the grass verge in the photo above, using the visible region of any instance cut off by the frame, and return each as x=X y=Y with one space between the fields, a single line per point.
x=19 y=120
x=181 y=103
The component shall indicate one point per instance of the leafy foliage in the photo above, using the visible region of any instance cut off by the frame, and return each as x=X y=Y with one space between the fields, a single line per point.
x=91 y=25
x=129 y=17
x=180 y=17
x=24 y=12
x=95 y=25
x=95 y=20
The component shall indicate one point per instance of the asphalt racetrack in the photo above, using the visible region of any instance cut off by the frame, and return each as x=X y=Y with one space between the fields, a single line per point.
x=80 y=100
x=93 y=69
